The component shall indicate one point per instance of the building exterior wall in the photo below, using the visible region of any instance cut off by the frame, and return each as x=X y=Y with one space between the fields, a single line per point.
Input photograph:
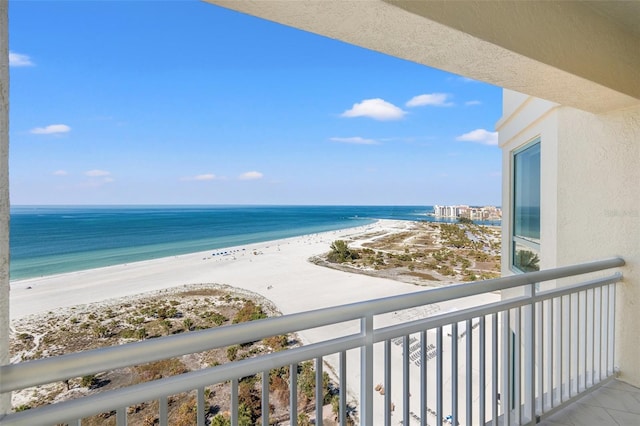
x=598 y=210
x=590 y=197
x=4 y=195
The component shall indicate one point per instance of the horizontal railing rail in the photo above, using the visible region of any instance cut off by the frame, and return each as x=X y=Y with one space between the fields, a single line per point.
x=519 y=390
x=37 y=372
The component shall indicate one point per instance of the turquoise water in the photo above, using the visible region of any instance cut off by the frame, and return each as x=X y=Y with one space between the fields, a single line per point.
x=51 y=240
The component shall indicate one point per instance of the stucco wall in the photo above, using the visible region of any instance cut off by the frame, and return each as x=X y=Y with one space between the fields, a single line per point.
x=590 y=197
x=598 y=196
x=4 y=196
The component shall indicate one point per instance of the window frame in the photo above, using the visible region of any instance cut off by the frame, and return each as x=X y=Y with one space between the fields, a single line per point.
x=515 y=240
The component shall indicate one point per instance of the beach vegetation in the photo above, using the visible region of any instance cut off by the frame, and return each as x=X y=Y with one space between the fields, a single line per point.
x=141 y=333
x=214 y=317
x=159 y=369
x=249 y=397
x=249 y=312
x=140 y=320
x=188 y=324
x=277 y=343
x=89 y=381
x=186 y=414
x=303 y=419
x=100 y=331
x=221 y=420
x=25 y=337
x=341 y=253
x=128 y=333
x=22 y=407
x=232 y=352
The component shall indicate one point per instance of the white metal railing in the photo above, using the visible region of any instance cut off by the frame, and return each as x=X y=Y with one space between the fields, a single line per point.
x=511 y=361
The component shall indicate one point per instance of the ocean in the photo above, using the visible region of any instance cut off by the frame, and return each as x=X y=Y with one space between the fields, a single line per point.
x=47 y=240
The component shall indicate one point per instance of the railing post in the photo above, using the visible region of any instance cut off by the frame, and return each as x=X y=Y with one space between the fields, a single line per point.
x=5 y=399
x=366 y=371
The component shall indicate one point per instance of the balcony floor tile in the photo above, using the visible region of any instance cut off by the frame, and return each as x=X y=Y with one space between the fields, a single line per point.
x=616 y=404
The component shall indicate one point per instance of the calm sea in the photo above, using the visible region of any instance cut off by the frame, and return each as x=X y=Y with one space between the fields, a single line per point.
x=52 y=240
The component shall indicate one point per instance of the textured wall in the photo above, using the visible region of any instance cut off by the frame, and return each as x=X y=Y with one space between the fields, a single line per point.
x=590 y=198
x=599 y=209
x=4 y=194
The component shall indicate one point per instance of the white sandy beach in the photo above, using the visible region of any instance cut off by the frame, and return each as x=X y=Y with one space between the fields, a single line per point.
x=278 y=270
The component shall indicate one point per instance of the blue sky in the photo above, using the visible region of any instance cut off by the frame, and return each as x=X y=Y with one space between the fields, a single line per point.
x=140 y=102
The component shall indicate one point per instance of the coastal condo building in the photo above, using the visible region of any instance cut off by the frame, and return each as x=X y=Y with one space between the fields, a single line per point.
x=473 y=213
x=568 y=322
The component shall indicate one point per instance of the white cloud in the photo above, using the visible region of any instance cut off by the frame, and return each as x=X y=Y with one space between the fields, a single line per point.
x=52 y=129
x=472 y=103
x=201 y=177
x=96 y=179
x=253 y=175
x=433 y=99
x=481 y=136
x=378 y=109
x=19 y=60
x=357 y=140
x=97 y=173
x=205 y=176
x=60 y=173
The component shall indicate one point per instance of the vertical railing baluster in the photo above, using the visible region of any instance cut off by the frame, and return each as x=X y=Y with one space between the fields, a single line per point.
x=319 y=391
x=121 y=416
x=494 y=367
x=562 y=349
x=612 y=325
x=604 y=336
x=593 y=336
x=343 y=388
x=570 y=347
x=366 y=371
x=423 y=378
x=469 y=373
x=387 y=382
x=454 y=373
x=439 y=390
x=517 y=367
x=293 y=394
x=550 y=354
x=530 y=373
x=163 y=411
x=538 y=400
x=505 y=394
x=234 y=402
x=200 y=406
x=482 y=350
x=405 y=379
x=265 y=398
x=584 y=341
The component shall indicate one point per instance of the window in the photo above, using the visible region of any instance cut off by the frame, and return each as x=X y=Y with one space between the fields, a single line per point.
x=526 y=208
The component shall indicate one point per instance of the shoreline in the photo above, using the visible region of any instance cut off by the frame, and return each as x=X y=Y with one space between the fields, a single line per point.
x=270 y=268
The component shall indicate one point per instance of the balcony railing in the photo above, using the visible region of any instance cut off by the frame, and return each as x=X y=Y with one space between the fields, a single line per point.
x=506 y=362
